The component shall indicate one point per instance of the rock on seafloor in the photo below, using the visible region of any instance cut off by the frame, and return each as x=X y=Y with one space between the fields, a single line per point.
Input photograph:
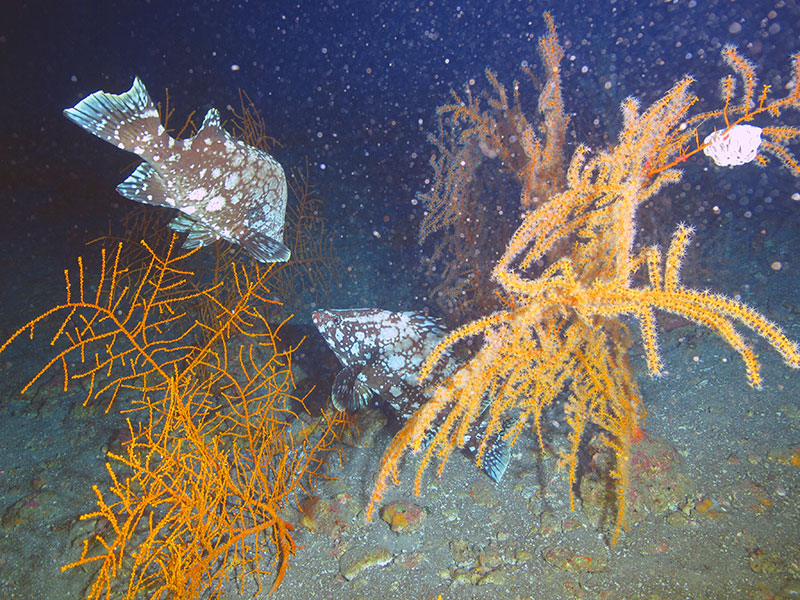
x=404 y=517
x=354 y=562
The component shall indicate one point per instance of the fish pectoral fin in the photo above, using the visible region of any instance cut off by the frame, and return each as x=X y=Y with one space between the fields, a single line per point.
x=146 y=185
x=264 y=248
x=348 y=393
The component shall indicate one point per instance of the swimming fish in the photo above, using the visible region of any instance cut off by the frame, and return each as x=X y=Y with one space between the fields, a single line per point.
x=222 y=187
x=382 y=352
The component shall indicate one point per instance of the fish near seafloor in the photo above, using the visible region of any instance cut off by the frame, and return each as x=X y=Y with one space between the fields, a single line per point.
x=222 y=187
x=382 y=352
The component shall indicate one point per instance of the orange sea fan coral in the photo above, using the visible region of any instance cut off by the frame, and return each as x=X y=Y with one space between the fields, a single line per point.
x=217 y=451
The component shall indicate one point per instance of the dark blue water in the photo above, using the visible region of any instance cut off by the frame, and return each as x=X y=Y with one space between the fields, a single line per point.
x=352 y=86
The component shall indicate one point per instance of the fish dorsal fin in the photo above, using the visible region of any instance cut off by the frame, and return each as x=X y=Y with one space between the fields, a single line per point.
x=211 y=123
x=348 y=393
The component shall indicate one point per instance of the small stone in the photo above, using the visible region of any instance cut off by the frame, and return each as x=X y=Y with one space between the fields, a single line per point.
x=450 y=514
x=81 y=530
x=577 y=562
x=330 y=516
x=793 y=563
x=571 y=522
x=308 y=523
x=38 y=481
x=733 y=459
x=461 y=576
x=789 y=591
x=496 y=577
x=30 y=509
x=762 y=562
x=404 y=517
x=753 y=458
x=786 y=456
x=483 y=493
x=656 y=483
x=523 y=555
x=354 y=562
x=548 y=523
x=410 y=560
x=85 y=410
x=367 y=423
x=490 y=558
x=678 y=519
x=709 y=508
x=462 y=555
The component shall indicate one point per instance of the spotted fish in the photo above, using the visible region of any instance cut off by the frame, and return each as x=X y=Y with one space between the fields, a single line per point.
x=382 y=352
x=222 y=187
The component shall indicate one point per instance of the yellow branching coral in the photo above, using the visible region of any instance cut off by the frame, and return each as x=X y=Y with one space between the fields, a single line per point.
x=570 y=277
x=683 y=142
x=216 y=450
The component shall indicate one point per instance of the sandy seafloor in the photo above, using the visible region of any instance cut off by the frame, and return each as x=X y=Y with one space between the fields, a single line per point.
x=734 y=532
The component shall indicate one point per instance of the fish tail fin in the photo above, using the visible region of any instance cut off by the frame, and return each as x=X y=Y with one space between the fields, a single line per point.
x=129 y=120
x=497 y=455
